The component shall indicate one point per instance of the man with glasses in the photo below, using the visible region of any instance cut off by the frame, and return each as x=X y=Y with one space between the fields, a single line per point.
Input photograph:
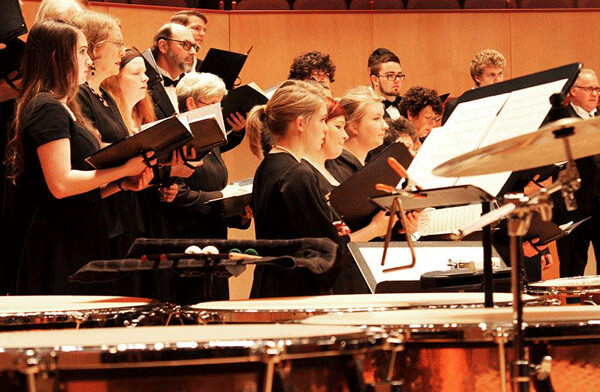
x=196 y=21
x=423 y=107
x=386 y=80
x=174 y=50
x=573 y=249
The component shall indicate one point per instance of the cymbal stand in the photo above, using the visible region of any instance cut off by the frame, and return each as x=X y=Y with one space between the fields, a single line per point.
x=518 y=225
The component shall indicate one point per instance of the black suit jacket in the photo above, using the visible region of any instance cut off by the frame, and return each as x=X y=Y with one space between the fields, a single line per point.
x=163 y=107
x=587 y=194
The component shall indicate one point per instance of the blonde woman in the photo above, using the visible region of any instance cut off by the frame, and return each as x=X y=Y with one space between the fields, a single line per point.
x=365 y=127
x=286 y=198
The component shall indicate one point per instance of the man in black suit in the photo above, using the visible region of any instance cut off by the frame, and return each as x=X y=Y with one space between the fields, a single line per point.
x=174 y=49
x=573 y=249
x=196 y=21
x=385 y=73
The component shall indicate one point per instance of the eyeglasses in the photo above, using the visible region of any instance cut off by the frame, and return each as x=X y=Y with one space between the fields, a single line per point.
x=393 y=76
x=119 y=43
x=186 y=45
x=590 y=89
x=431 y=118
x=320 y=75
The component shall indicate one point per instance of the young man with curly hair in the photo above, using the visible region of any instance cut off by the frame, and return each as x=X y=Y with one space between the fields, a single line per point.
x=313 y=66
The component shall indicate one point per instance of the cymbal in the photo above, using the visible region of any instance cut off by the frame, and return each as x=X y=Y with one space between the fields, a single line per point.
x=539 y=148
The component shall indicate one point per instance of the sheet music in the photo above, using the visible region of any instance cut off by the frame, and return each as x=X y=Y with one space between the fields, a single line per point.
x=204 y=112
x=463 y=132
x=445 y=220
x=479 y=123
x=523 y=113
x=183 y=120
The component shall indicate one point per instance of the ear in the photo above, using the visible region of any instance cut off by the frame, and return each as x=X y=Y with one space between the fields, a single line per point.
x=163 y=46
x=410 y=116
x=190 y=103
x=374 y=80
x=477 y=81
x=351 y=130
x=92 y=53
x=300 y=123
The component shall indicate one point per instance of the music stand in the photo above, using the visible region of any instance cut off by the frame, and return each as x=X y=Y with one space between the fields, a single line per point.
x=447 y=197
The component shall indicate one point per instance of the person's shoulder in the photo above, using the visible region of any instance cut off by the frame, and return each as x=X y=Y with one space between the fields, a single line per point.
x=45 y=103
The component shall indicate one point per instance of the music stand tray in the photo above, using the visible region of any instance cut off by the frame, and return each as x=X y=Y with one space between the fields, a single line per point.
x=438 y=197
x=431 y=256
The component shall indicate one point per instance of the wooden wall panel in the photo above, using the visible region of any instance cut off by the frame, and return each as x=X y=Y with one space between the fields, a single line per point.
x=436 y=48
x=544 y=40
x=279 y=37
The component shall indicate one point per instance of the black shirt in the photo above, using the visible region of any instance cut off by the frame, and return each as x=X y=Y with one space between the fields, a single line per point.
x=287 y=203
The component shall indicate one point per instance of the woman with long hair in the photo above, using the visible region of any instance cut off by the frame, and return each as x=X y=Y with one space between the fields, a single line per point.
x=47 y=159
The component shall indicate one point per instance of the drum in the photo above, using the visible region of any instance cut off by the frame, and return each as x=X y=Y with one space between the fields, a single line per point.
x=298 y=308
x=470 y=349
x=49 y=312
x=245 y=358
x=579 y=290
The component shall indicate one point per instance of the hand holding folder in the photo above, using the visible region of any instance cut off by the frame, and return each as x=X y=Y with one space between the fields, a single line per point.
x=202 y=129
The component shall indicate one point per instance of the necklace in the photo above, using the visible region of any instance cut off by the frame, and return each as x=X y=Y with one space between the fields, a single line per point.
x=286 y=150
x=69 y=110
x=99 y=95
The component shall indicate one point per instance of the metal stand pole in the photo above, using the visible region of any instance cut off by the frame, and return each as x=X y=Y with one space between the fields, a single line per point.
x=488 y=277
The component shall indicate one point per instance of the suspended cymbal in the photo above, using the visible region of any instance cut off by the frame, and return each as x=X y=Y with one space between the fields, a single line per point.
x=540 y=148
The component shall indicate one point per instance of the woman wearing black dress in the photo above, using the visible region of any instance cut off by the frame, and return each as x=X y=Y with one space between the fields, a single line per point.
x=286 y=197
x=105 y=47
x=47 y=156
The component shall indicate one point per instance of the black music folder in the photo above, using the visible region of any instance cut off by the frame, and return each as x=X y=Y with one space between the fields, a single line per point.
x=206 y=124
x=225 y=64
x=549 y=231
x=230 y=206
x=242 y=99
x=12 y=23
x=161 y=136
x=351 y=200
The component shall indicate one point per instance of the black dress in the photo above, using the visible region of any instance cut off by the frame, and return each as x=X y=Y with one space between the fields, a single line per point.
x=123 y=215
x=189 y=217
x=344 y=166
x=349 y=280
x=64 y=234
x=287 y=203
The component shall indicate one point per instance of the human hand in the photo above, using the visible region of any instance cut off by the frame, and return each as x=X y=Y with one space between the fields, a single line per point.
x=412 y=222
x=168 y=194
x=138 y=164
x=379 y=223
x=236 y=121
x=247 y=214
x=534 y=185
x=139 y=182
x=547 y=261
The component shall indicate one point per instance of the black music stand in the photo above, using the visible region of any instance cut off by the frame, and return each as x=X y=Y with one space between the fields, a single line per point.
x=448 y=197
